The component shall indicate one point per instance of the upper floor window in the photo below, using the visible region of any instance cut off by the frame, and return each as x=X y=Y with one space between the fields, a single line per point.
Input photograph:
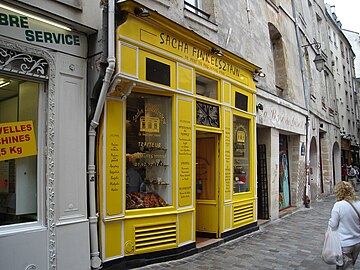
x=206 y=87
x=279 y=59
x=329 y=32
x=199 y=8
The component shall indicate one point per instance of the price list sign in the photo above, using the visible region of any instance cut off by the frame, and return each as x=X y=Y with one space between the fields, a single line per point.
x=185 y=153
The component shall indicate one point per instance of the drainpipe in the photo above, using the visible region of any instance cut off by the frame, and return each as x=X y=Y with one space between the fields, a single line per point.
x=305 y=88
x=95 y=260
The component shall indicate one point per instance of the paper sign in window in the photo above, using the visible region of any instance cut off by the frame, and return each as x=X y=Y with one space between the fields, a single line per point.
x=17 y=140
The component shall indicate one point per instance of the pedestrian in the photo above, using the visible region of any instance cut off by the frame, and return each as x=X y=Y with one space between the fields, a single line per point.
x=346 y=221
x=357 y=174
x=352 y=176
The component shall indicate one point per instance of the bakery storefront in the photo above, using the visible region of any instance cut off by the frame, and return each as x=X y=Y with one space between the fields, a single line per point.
x=176 y=143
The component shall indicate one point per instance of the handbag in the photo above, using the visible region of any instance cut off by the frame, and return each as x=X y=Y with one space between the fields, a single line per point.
x=332 y=252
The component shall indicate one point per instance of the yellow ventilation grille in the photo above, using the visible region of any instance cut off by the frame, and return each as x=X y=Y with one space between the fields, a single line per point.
x=243 y=214
x=155 y=237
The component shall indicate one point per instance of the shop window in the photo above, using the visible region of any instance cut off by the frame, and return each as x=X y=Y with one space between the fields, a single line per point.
x=148 y=151
x=241 y=101
x=206 y=87
x=241 y=154
x=19 y=176
x=157 y=72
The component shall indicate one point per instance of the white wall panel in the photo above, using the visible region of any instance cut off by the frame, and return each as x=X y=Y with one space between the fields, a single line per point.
x=70 y=139
x=30 y=249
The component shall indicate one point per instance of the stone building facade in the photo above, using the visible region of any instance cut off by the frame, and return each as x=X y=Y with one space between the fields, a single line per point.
x=302 y=117
x=343 y=70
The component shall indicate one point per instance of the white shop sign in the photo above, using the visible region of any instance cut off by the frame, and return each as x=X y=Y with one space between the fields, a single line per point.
x=32 y=29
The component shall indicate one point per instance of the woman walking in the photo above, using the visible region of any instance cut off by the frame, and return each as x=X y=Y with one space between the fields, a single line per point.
x=346 y=221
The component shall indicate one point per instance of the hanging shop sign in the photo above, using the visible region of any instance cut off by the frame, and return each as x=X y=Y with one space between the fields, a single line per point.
x=36 y=30
x=17 y=139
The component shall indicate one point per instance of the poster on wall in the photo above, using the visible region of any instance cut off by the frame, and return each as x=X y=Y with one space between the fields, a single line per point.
x=284 y=184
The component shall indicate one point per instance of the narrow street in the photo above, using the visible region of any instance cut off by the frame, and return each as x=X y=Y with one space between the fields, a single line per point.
x=292 y=242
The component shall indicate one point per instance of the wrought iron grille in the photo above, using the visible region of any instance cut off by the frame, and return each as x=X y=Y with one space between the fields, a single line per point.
x=21 y=63
x=207 y=115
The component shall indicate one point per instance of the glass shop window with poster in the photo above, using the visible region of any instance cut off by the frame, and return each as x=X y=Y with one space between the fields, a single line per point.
x=19 y=162
x=241 y=154
x=148 y=151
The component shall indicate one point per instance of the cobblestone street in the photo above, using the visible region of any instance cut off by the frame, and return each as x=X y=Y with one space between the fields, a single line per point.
x=292 y=242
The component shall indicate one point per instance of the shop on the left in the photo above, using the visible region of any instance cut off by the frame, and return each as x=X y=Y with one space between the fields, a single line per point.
x=43 y=202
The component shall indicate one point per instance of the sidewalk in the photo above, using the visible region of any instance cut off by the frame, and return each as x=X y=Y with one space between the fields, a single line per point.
x=292 y=242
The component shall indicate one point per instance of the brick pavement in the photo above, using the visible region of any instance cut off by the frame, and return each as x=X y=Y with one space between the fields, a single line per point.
x=292 y=242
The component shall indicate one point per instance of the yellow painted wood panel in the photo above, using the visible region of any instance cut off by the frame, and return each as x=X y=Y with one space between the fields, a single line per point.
x=227 y=156
x=113 y=239
x=206 y=218
x=227 y=218
x=186 y=228
x=129 y=57
x=149 y=234
x=185 y=153
x=114 y=157
x=226 y=92
x=142 y=67
x=185 y=78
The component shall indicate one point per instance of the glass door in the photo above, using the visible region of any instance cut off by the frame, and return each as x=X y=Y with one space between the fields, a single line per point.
x=284 y=178
x=206 y=185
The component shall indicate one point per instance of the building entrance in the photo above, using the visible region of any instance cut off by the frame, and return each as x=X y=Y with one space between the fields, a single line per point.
x=207 y=208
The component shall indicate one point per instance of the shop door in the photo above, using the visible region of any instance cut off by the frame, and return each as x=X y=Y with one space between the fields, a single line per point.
x=262 y=185
x=284 y=177
x=207 y=213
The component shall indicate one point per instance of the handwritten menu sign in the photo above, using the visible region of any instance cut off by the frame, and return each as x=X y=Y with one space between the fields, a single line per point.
x=113 y=158
x=185 y=153
x=114 y=168
x=227 y=156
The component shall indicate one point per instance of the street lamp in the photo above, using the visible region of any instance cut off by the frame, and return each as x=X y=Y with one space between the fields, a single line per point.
x=319 y=59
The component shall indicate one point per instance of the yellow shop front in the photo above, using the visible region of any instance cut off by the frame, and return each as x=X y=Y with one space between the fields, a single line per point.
x=176 y=144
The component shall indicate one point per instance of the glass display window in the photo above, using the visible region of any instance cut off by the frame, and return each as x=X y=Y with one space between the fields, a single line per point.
x=148 y=151
x=241 y=154
x=19 y=176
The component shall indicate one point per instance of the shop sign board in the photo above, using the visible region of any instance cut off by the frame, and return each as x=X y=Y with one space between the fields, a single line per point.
x=17 y=140
x=37 y=31
x=281 y=117
x=197 y=54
